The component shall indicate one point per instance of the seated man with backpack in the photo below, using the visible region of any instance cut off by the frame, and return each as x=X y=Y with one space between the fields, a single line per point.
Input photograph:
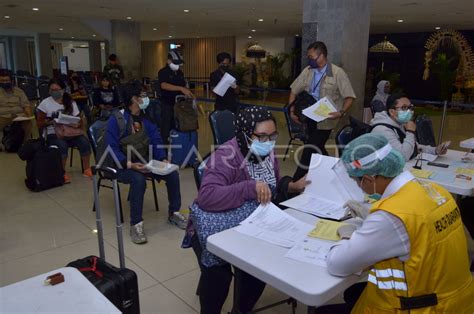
x=397 y=126
x=128 y=130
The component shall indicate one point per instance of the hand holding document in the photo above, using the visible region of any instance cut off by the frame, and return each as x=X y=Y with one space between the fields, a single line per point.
x=271 y=224
x=320 y=110
x=160 y=167
x=67 y=119
x=226 y=81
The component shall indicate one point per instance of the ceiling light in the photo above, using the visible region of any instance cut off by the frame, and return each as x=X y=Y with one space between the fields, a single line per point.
x=155 y=29
x=437 y=27
x=250 y=37
x=93 y=35
x=400 y=21
x=260 y=20
x=170 y=36
x=253 y=30
x=35 y=9
x=186 y=11
x=7 y=16
x=61 y=29
x=129 y=17
x=72 y=37
x=297 y=35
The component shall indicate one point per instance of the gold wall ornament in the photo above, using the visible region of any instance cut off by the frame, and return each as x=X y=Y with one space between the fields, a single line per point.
x=466 y=55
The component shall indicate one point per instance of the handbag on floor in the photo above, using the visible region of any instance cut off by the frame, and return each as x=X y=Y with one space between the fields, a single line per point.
x=118 y=284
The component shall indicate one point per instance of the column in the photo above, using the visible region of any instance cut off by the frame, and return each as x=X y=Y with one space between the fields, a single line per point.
x=343 y=25
x=20 y=54
x=126 y=44
x=95 y=56
x=44 y=64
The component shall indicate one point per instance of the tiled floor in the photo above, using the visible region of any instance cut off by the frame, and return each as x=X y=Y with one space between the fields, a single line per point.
x=43 y=231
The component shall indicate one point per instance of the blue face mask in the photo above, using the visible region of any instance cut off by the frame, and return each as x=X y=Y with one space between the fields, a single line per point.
x=313 y=63
x=374 y=196
x=404 y=116
x=262 y=149
x=145 y=103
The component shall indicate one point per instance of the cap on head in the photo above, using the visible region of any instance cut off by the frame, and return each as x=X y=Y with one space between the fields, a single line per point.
x=175 y=57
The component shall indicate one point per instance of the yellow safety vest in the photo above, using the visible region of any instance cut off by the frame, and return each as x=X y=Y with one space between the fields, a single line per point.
x=438 y=265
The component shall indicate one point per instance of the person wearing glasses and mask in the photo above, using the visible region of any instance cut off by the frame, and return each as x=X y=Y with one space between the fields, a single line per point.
x=320 y=79
x=142 y=135
x=411 y=241
x=239 y=176
x=172 y=84
x=230 y=100
x=397 y=126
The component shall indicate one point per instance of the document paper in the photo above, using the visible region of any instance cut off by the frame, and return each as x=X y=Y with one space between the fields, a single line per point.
x=330 y=188
x=320 y=110
x=271 y=224
x=226 y=81
x=313 y=251
x=67 y=119
x=326 y=230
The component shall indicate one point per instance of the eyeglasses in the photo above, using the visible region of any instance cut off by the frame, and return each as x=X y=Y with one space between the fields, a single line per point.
x=406 y=107
x=266 y=137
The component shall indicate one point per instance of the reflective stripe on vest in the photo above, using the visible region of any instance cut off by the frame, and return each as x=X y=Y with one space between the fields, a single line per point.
x=387 y=284
x=389 y=272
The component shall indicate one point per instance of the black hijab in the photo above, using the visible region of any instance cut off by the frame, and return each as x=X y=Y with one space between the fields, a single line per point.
x=245 y=123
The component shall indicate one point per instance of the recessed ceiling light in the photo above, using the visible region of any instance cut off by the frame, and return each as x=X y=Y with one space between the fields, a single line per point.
x=72 y=37
x=7 y=16
x=260 y=20
x=155 y=29
x=250 y=37
x=61 y=29
x=129 y=17
x=253 y=30
x=170 y=36
x=186 y=11
x=35 y=9
x=297 y=35
x=437 y=27
x=93 y=35
x=400 y=21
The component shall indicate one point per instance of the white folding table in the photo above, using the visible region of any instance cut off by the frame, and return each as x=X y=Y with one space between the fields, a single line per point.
x=310 y=284
x=453 y=160
x=75 y=295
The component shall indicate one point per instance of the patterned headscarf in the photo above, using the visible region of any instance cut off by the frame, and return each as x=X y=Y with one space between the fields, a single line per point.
x=245 y=123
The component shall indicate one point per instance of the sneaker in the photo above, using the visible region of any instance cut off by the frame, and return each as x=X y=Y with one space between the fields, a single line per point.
x=87 y=173
x=179 y=220
x=67 y=179
x=138 y=234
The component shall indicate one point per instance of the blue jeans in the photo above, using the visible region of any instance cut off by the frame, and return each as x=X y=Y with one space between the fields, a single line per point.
x=81 y=142
x=137 y=181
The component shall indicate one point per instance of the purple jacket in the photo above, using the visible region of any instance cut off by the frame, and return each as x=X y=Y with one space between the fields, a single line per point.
x=226 y=182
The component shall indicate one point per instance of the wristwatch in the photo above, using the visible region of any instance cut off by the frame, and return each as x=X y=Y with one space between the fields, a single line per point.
x=342 y=112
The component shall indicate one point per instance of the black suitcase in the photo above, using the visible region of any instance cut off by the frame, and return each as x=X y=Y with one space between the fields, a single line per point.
x=119 y=285
x=44 y=169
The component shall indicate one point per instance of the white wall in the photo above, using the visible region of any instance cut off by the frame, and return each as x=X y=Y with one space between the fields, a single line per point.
x=273 y=45
x=79 y=59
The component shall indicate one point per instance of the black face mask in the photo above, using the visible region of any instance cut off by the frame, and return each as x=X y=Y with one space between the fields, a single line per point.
x=6 y=85
x=224 y=67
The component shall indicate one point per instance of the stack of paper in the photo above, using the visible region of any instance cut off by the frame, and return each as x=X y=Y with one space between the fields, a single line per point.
x=320 y=110
x=226 y=81
x=312 y=251
x=469 y=143
x=422 y=174
x=271 y=224
x=330 y=188
x=326 y=230
x=465 y=171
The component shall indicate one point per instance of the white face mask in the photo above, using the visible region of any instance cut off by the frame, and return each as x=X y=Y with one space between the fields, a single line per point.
x=174 y=67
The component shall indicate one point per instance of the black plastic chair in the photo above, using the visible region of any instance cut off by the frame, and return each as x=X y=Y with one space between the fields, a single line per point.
x=198 y=171
x=295 y=132
x=30 y=91
x=43 y=90
x=92 y=134
x=343 y=137
x=156 y=88
x=222 y=126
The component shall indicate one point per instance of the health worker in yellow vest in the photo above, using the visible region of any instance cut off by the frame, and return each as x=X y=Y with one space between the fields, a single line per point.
x=411 y=242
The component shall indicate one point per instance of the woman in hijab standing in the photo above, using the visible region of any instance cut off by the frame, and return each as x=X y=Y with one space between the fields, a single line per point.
x=239 y=176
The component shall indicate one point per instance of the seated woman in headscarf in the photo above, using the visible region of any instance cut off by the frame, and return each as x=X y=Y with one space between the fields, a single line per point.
x=379 y=102
x=239 y=176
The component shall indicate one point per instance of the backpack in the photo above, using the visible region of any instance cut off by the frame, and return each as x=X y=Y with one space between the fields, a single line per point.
x=13 y=135
x=359 y=128
x=98 y=133
x=185 y=114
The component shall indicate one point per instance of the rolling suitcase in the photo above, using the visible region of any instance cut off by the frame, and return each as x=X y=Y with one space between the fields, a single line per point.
x=184 y=146
x=119 y=285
